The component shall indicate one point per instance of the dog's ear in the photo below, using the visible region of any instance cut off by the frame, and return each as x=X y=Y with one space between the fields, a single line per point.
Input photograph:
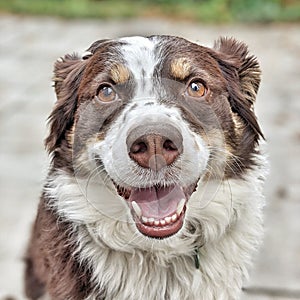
x=242 y=73
x=68 y=72
x=67 y=75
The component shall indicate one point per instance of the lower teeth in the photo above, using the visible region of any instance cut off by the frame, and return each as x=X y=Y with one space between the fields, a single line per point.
x=162 y=222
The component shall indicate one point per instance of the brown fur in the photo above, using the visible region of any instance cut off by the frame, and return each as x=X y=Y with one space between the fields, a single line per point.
x=242 y=73
x=50 y=262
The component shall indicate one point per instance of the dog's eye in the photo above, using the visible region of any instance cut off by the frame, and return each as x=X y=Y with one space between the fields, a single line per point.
x=196 y=89
x=106 y=93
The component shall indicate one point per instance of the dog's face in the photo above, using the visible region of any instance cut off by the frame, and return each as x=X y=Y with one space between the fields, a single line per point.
x=154 y=118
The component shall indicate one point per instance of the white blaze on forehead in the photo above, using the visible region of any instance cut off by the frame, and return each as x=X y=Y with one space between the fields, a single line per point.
x=139 y=56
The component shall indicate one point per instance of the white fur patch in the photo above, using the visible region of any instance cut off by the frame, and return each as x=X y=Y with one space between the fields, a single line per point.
x=228 y=228
x=141 y=61
x=139 y=55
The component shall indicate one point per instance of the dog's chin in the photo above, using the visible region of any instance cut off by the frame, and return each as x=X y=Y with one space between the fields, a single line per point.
x=158 y=211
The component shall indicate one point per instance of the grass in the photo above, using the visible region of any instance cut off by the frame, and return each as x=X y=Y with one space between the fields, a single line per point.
x=197 y=10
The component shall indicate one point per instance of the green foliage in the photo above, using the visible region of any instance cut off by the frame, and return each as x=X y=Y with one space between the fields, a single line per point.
x=266 y=10
x=196 y=10
x=256 y=10
x=71 y=8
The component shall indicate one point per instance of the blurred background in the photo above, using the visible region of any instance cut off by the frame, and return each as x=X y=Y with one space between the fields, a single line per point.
x=33 y=34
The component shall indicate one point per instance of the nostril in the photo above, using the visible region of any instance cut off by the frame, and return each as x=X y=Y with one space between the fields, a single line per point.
x=138 y=147
x=169 y=146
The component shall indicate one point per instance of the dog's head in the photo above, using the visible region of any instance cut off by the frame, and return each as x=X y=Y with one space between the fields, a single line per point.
x=155 y=117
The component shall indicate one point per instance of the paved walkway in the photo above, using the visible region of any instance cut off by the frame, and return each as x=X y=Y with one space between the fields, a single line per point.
x=28 y=48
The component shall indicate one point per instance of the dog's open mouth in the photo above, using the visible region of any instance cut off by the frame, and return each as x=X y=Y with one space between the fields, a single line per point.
x=158 y=211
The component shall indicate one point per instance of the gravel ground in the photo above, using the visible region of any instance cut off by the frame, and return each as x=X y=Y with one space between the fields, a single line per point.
x=28 y=48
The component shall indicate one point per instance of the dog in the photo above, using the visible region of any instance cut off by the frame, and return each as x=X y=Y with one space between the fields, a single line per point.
x=155 y=187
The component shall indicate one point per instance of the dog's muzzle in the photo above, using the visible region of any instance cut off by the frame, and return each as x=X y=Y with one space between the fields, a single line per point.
x=158 y=210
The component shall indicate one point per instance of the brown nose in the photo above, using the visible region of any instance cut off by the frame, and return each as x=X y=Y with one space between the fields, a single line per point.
x=154 y=146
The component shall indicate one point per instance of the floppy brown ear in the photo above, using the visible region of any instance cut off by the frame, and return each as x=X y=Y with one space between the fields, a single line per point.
x=242 y=72
x=67 y=75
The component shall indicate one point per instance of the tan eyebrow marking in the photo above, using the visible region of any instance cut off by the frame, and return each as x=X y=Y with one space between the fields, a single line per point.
x=119 y=74
x=180 y=68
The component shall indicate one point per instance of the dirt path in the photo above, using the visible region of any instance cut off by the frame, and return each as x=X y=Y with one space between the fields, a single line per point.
x=28 y=48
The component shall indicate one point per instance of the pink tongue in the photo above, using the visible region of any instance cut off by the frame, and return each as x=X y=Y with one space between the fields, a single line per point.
x=158 y=202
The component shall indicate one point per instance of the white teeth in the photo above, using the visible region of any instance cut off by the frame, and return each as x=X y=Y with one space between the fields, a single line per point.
x=159 y=222
x=180 y=207
x=151 y=221
x=168 y=220
x=144 y=219
x=163 y=222
x=136 y=209
x=174 y=218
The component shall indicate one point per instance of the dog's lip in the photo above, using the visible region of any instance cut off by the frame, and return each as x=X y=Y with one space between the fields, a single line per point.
x=160 y=231
x=160 y=214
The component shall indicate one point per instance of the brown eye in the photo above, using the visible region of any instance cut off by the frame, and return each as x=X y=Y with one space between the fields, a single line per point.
x=106 y=93
x=196 y=89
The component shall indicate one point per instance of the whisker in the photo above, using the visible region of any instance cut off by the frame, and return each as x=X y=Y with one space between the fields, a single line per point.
x=235 y=164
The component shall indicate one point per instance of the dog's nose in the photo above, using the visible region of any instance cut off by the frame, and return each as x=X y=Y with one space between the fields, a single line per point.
x=154 y=146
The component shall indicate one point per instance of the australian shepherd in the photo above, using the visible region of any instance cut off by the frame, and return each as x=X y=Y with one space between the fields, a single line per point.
x=154 y=190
